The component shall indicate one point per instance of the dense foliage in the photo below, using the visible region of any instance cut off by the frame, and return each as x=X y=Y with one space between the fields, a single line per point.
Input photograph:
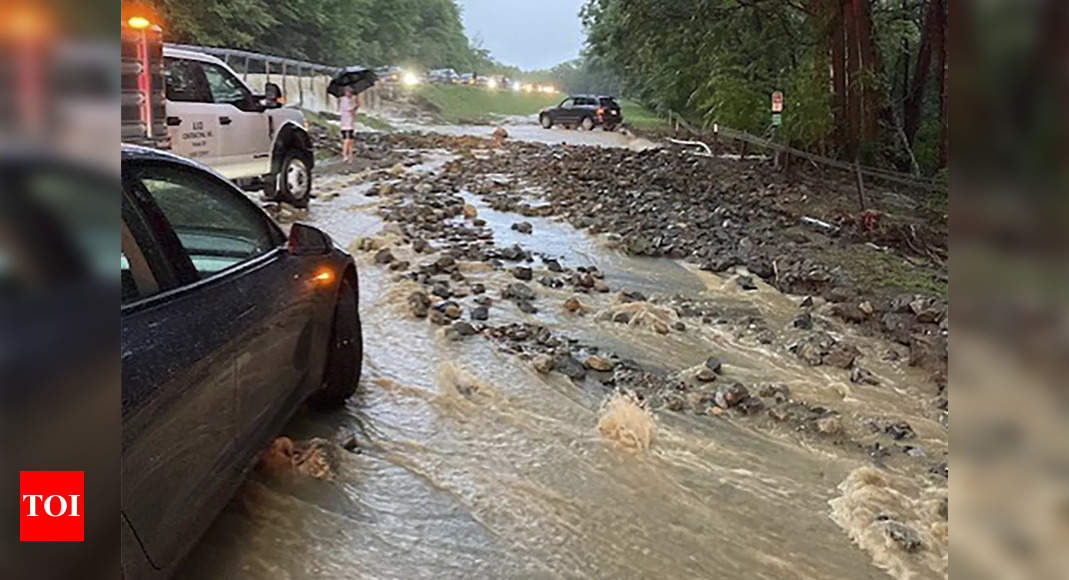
x=427 y=33
x=861 y=78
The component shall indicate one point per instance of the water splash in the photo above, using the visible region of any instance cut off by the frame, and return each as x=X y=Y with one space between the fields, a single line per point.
x=904 y=535
x=626 y=420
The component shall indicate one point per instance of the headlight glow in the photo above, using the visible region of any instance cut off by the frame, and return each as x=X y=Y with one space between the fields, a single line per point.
x=409 y=79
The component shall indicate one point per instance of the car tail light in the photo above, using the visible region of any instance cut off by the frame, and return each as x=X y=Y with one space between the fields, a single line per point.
x=600 y=111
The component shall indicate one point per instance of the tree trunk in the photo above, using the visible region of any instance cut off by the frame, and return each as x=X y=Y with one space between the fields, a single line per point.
x=853 y=70
x=837 y=39
x=940 y=42
x=914 y=102
x=870 y=89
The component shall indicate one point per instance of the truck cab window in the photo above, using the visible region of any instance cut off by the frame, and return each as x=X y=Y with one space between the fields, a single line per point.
x=185 y=81
x=224 y=87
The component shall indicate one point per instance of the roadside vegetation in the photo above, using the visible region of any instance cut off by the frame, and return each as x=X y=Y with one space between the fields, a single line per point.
x=480 y=105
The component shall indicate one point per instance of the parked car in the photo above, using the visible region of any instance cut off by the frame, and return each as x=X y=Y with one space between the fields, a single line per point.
x=443 y=76
x=227 y=326
x=195 y=105
x=585 y=111
x=389 y=74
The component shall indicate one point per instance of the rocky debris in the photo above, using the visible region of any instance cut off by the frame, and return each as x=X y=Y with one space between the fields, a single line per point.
x=523 y=227
x=714 y=364
x=542 y=363
x=779 y=393
x=621 y=317
x=552 y=265
x=522 y=273
x=418 y=303
x=705 y=375
x=470 y=211
x=861 y=376
x=384 y=256
x=569 y=367
x=660 y=327
x=518 y=291
x=746 y=283
x=830 y=424
x=750 y=405
x=573 y=305
x=849 y=312
x=598 y=363
x=728 y=396
x=803 y=320
x=900 y=430
x=906 y=537
x=480 y=313
x=841 y=355
x=525 y=306
x=459 y=329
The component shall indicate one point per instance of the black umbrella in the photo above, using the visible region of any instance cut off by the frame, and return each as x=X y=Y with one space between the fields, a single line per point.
x=358 y=78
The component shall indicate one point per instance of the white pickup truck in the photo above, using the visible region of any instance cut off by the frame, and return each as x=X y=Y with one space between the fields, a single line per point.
x=211 y=115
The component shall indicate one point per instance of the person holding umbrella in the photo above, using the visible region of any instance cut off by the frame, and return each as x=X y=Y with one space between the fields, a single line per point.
x=346 y=85
x=348 y=105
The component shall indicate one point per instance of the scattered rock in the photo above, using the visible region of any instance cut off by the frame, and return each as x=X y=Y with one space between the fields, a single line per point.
x=569 y=367
x=552 y=265
x=861 y=376
x=542 y=363
x=746 y=282
x=518 y=291
x=750 y=405
x=526 y=306
x=573 y=305
x=900 y=430
x=728 y=396
x=906 y=537
x=480 y=313
x=830 y=424
x=599 y=364
x=459 y=330
x=470 y=211
x=522 y=273
x=418 y=303
x=660 y=327
x=841 y=355
x=384 y=256
x=523 y=227
x=714 y=364
x=804 y=320
x=621 y=317
x=706 y=375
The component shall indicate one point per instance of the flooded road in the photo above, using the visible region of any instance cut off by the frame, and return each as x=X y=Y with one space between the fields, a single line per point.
x=471 y=463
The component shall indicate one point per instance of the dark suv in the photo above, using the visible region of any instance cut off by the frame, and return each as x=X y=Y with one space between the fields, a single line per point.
x=586 y=111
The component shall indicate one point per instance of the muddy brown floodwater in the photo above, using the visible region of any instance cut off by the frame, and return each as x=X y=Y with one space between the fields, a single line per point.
x=473 y=464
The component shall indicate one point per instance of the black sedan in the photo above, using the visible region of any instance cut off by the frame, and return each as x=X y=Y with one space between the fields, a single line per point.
x=228 y=325
x=585 y=111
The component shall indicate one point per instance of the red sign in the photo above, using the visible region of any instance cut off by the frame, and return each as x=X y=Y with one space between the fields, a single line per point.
x=51 y=506
x=777 y=102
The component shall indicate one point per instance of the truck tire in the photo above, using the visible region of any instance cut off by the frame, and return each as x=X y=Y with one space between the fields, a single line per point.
x=295 y=185
x=546 y=121
x=587 y=124
x=345 y=352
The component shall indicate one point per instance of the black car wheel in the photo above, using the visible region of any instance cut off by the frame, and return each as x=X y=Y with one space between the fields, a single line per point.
x=295 y=179
x=346 y=354
x=546 y=121
x=587 y=124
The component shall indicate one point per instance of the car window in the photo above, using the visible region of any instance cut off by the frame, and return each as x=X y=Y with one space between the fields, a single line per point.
x=184 y=81
x=217 y=226
x=609 y=102
x=567 y=103
x=136 y=275
x=224 y=87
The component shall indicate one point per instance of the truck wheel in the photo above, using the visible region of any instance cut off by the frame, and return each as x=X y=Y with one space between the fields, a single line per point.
x=345 y=352
x=296 y=182
x=587 y=124
x=546 y=121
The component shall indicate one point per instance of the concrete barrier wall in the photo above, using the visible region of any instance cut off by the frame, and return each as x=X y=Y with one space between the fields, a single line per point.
x=310 y=92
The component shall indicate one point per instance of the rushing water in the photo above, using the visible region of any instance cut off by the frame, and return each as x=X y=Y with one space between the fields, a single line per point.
x=474 y=465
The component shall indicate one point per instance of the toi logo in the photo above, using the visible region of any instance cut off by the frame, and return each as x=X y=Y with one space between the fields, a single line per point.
x=51 y=506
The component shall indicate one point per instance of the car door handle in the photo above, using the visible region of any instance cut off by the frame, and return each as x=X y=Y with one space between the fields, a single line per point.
x=224 y=120
x=174 y=121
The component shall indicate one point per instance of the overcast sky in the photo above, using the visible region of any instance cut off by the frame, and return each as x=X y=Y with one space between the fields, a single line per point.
x=531 y=34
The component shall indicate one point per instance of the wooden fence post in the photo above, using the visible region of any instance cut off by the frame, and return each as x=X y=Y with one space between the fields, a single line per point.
x=860 y=185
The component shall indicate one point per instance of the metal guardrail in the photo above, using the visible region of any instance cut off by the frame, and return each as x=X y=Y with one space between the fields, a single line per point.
x=926 y=183
x=311 y=77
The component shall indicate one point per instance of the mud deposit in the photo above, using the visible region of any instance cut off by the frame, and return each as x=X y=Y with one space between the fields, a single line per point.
x=541 y=400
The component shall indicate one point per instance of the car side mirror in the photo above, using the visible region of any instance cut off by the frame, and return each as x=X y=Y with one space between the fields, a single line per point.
x=308 y=241
x=273 y=96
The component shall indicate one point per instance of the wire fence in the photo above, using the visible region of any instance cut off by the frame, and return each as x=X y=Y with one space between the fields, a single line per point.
x=719 y=132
